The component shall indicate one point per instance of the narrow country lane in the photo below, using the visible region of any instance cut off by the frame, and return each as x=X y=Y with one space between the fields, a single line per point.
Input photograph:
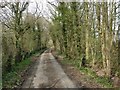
x=47 y=73
x=59 y=44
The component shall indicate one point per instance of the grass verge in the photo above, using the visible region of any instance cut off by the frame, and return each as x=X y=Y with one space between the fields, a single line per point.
x=13 y=78
x=105 y=82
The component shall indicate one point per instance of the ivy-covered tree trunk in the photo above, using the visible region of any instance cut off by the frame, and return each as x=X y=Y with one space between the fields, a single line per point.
x=39 y=36
x=18 y=57
x=19 y=31
x=118 y=51
x=87 y=31
x=64 y=31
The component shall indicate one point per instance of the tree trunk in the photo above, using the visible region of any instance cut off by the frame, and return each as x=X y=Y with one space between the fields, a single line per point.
x=87 y=31
x=18 y=57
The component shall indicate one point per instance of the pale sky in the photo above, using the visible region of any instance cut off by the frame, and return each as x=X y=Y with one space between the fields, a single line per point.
x=43 y=6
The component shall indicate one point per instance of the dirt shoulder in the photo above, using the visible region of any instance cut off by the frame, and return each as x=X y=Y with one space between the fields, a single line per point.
x=79 y=78
x=29 y=72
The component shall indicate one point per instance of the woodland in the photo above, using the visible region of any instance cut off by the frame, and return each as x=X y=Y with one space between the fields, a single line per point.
x=86 y=34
